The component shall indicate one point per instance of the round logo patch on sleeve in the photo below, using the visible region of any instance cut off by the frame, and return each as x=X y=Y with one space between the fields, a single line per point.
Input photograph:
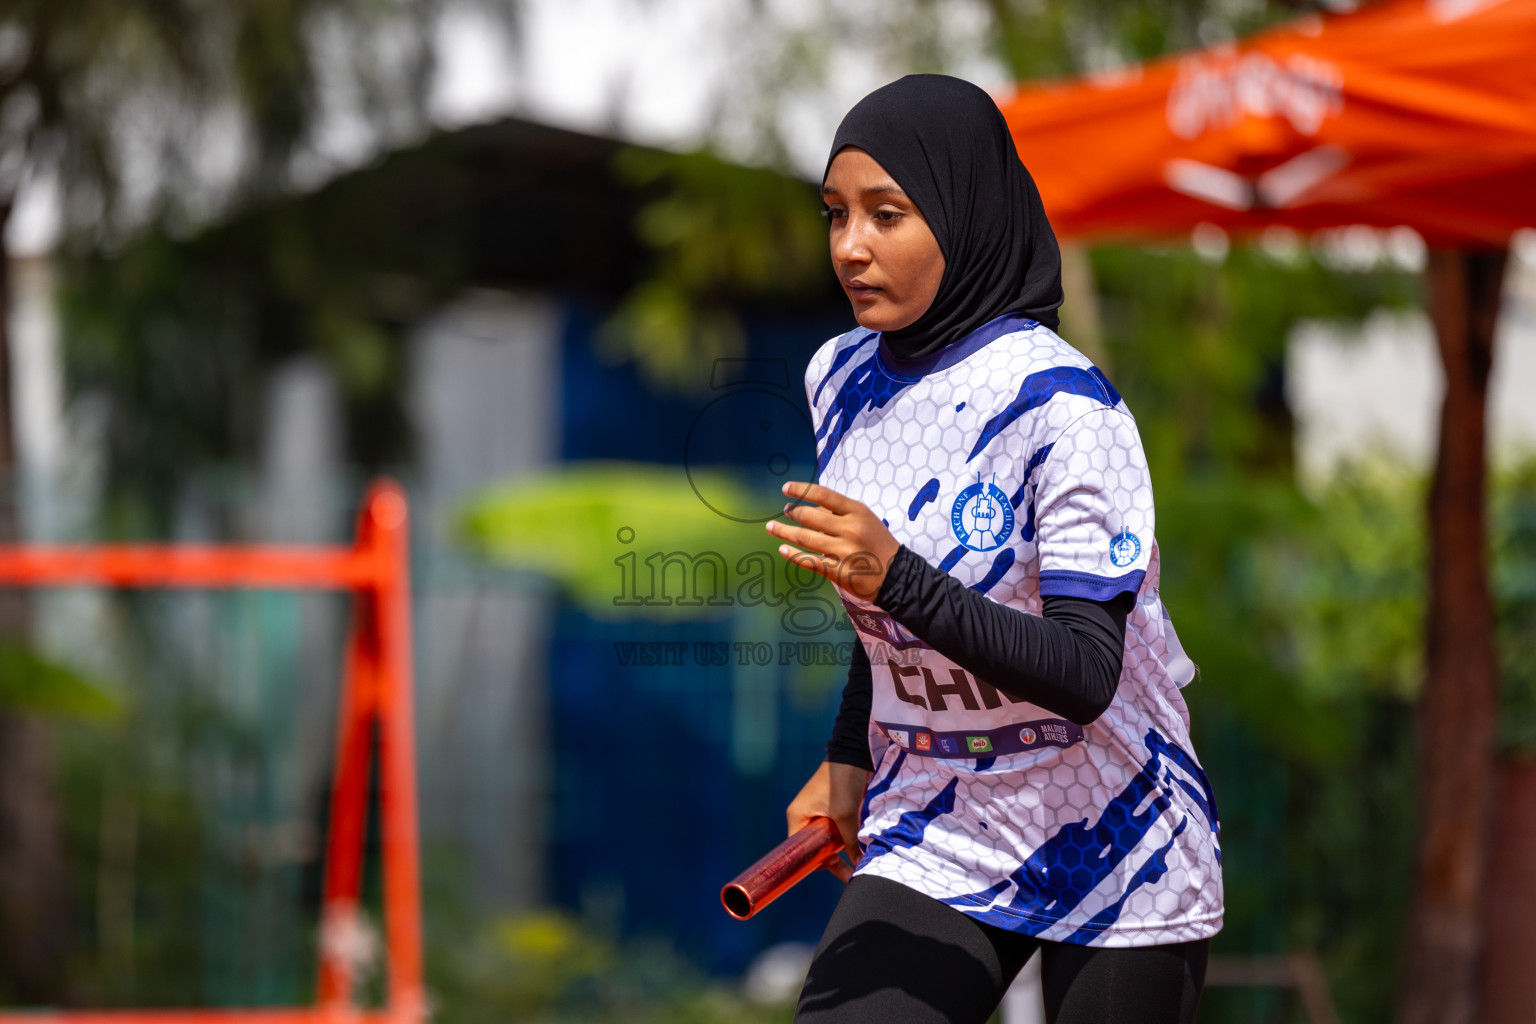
x=982 y=516
x=1124 y=548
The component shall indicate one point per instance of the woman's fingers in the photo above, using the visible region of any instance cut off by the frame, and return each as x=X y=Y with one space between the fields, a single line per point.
x=826 y=497
x=821 y=565
x=816 y=518
x=803 y=537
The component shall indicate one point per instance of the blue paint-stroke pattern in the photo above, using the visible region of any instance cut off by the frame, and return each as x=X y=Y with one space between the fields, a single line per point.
x=865 y=387
x=925 y=494
x=1035 y=461
x=843 y=355
x=1027 y=530
x=953 y=558
x=1037 y=389
x=1206 y=798
x=1114 y=396
x=1076 y=860
x=1060 y=874
x=985 y=764
x=1000 y=566
x=909 y=828
x=880 y=787
x=1156 y=867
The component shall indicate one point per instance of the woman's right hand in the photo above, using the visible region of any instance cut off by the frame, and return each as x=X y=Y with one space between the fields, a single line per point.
x=835 y=791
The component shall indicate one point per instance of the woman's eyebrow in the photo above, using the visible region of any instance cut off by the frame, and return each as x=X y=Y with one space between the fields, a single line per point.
x=891 y=189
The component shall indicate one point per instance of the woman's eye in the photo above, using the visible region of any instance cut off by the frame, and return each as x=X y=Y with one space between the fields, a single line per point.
x=832 y=212
x=888 y=216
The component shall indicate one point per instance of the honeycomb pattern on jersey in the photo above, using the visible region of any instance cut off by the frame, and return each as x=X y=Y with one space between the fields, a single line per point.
x=1111 y=840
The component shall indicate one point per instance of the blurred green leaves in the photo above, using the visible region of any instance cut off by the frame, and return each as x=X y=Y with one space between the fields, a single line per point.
x=550 y=965
x=33 y=684
x=570 y=524
x=1513 y=522
x=1038 y=39
x=1198 y=349
x=719 y=236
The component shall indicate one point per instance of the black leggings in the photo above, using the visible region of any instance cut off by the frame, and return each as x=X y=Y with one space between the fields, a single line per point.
x=892 y=954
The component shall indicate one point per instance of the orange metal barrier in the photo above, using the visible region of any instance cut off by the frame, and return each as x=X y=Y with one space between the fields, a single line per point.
x=376 y=690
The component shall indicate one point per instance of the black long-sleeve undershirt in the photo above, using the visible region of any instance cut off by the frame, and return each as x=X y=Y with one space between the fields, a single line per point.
x=1066 y=661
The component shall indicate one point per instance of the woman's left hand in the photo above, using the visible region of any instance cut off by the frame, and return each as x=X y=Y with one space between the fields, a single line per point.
x=854 y=546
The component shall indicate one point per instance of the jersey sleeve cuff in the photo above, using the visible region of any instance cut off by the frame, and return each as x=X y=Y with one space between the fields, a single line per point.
x=856 y=757
x=1065 y=583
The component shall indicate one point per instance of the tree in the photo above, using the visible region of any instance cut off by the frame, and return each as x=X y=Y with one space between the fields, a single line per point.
x=1458 y=705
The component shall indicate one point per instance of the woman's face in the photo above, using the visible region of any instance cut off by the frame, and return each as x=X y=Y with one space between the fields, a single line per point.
x=884 y=253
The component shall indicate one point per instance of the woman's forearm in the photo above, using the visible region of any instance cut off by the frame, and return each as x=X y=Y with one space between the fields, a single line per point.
x=1067 y=661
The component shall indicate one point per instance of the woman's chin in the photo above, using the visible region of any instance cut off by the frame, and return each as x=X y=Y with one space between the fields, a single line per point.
x=877 y=319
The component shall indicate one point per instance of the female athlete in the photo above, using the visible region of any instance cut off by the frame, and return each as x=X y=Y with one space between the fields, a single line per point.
x=1012 y=762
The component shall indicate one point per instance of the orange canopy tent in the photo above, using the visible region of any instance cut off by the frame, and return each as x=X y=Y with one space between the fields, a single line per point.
x=1406 y=112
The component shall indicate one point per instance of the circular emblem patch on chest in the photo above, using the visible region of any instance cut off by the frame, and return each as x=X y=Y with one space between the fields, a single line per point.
x=982 y=517
x=1124 y=548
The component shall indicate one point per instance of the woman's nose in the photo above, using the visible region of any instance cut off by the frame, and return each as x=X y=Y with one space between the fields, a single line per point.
x=850 y=246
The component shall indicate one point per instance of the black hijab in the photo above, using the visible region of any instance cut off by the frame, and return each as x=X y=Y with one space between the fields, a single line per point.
x=948 y=147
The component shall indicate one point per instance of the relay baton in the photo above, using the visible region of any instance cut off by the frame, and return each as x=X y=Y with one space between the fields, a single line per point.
x=814 y=846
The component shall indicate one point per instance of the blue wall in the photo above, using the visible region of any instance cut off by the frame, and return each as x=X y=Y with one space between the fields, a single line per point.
x=651 y=811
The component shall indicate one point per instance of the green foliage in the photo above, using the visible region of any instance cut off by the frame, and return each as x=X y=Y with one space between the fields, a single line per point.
x=1360 y=614
x=34 y=684
x=1314 y=761
x=1303 y=613
x=1296 y=612
x=1049 y=39
x=182 y=72
x=1514 y=580
x=549 y=965
x=569 y=524
x=174 y=325
x=1202 y=347
x=719 y=235
x=191 y=874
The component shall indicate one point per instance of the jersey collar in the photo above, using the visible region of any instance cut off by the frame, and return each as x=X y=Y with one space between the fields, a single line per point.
x=949 y=355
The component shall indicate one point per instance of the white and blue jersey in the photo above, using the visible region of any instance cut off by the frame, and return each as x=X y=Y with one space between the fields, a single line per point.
x=1009 y=461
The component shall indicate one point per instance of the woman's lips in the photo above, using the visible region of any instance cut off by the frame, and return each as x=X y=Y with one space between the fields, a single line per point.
x=862 y=292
